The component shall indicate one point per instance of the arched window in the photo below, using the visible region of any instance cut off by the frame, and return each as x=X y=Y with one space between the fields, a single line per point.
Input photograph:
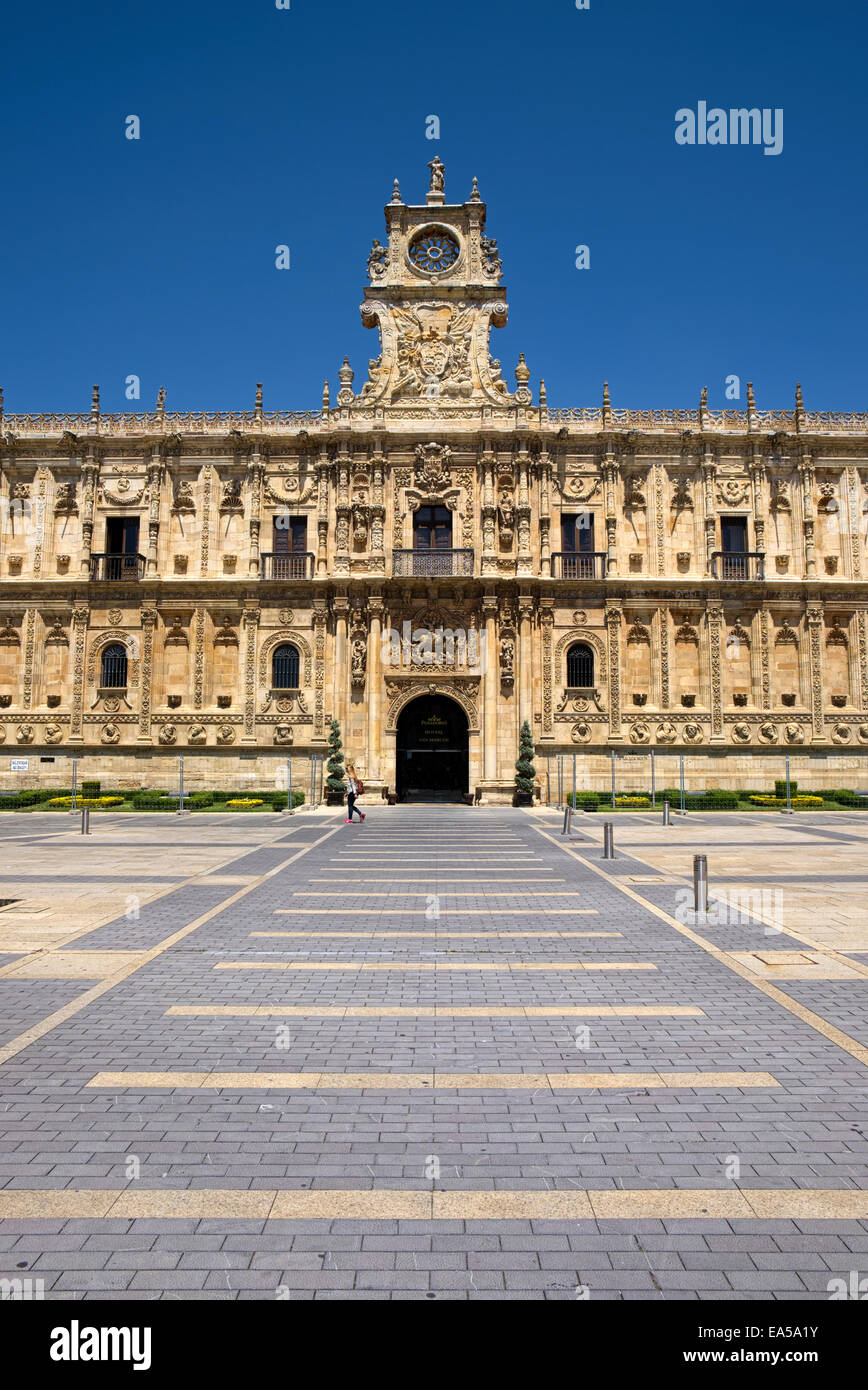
x=284 y=667
x=580 y=665
x=113 y=668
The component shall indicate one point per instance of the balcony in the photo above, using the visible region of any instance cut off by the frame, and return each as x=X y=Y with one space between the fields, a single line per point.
x=750 y=564
x=117 y=568
x=275 y=566
x=428 y=564
x=589 y=564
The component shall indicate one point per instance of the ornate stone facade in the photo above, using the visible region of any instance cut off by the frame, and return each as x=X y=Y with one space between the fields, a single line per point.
x=709 y=565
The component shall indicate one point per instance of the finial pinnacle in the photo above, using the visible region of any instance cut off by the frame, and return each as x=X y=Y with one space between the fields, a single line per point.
x=94 y=401
x=475 y=196
x=161 y=400
x=396 y=193
x=258 y=399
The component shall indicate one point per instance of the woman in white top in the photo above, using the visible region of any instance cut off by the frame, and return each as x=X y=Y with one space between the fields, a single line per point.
x=352 y=793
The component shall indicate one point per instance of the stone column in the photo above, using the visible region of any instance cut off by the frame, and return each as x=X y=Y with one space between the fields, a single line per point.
x=322 y=515
x=79 y=637
x=89 y=473
x=525 y=660
x=714 y=619
x=343 y=513
x=613 y=626
x=250 y=627
x=255 y=475
x=765 y=657
x=663 y=644
x=814 y=619
x=199 y=658
x=489 y=704
x=862 y=631
x=146 y=674
x=545 y=521
x=523 y=515
x=610 y=477
x=489 y=513
x=375 y=682
x=320 y=625
x=340 y=605
x=29 y=650
x=709 y=470
x=155 y=478
x=806 y=472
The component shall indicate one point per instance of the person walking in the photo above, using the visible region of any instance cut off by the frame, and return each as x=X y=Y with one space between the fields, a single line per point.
x=354 y=789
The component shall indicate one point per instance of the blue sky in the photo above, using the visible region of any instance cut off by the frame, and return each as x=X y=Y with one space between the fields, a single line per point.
x=262 y=126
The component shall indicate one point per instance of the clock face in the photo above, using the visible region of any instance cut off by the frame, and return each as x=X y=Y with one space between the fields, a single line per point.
x=434 y=251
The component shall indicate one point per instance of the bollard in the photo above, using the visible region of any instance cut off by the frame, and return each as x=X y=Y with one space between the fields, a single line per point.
x=608 y=841
x=568 y=816
x=85 y=820
x=666 y=813
x=700 y=883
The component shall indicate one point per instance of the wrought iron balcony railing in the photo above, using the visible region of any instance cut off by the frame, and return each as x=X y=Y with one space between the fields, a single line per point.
x=750 y=564
x=124 y=568
x=431 y=563
x=574 y=565
x=275 y=566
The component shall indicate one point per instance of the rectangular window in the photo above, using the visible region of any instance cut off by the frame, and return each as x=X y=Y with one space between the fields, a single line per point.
x=122 y=535
x=432 y=528
x=289 y=535
x=733 y=535
x=577 y=533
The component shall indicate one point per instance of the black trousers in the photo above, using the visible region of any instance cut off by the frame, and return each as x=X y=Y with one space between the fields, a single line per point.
x=351 y=806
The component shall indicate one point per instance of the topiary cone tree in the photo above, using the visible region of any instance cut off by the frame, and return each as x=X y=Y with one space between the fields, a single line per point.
x=525 y=772
x=335 y=786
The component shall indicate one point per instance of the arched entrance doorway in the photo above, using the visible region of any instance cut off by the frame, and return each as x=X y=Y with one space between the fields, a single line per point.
x=432 y=758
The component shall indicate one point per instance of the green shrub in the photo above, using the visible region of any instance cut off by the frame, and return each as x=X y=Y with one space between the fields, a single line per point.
x=90 y=788
x=335 y=765
x=525 y=772
x=278 y=799
x=781 y=788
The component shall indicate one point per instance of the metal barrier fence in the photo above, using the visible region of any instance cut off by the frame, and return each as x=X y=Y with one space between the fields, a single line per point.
x=685 y=780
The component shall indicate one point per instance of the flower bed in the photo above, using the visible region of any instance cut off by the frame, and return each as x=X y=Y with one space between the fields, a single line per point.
x=93 y=803
x=797 y=803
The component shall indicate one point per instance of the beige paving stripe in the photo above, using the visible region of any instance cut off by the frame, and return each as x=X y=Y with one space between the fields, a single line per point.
x=437 y=935
x=54 y=1020
x=384 y=1204
x=419 y=878
x=434 y=1011
x=444 y=911
x=438 y=965
x=420 y=1080
x=828 y=1030
x=468 y=893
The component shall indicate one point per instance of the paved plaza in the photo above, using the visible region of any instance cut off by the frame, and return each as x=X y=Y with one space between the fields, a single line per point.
x=449 y=1053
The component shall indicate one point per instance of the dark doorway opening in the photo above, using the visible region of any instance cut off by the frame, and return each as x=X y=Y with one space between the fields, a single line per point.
x=432 y=753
